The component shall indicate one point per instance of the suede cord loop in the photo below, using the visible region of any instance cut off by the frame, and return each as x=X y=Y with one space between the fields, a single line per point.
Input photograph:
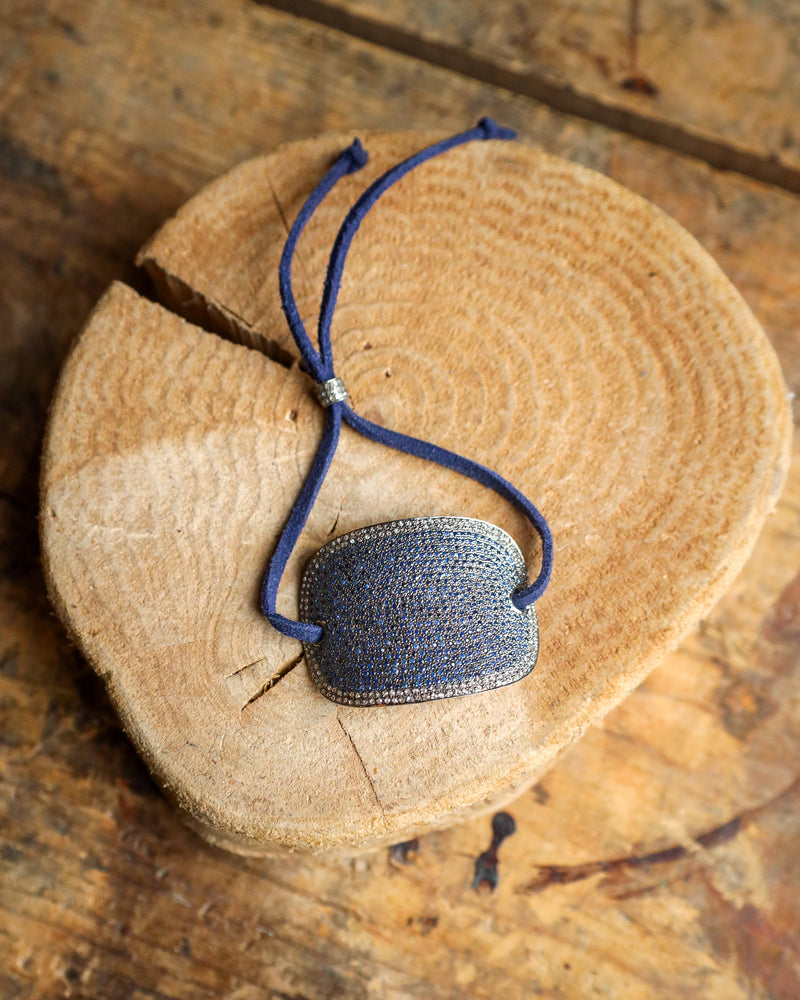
x=320 y=366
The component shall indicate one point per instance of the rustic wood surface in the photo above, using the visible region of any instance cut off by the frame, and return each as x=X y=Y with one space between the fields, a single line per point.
x=720 y=81
x=656 y=859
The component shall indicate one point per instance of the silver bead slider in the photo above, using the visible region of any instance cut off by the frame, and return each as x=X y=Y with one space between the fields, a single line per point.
x=333 y=390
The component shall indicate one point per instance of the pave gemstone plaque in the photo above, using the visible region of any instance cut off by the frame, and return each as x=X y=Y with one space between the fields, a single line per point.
x=416 y=610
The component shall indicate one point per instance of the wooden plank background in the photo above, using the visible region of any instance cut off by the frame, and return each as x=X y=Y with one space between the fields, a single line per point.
x=716 y=80
x=659 y=857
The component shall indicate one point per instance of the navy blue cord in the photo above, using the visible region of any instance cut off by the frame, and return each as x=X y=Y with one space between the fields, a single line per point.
x=348 y=162
x=481 y=474
x=485 y=129
x=320 y=365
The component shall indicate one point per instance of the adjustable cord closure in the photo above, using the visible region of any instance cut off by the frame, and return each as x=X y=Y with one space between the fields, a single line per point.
x=332 y=393
x=332 y=390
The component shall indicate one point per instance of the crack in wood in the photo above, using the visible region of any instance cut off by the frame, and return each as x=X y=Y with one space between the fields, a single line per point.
x=560 y=97
x=279 y=674
x=634 y=31
x=240 y=670
x=636 y=81
x=547 y=875
x=178 y=297
x=363 y=765
x=335 y=522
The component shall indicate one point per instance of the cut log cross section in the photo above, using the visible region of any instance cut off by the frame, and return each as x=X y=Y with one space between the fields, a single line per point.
x=513 y=307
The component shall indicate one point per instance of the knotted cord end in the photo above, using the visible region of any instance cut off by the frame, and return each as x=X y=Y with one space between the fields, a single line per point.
x=494 y=131
x=355 y=156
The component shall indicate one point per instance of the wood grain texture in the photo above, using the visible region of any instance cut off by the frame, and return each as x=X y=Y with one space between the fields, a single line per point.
x=111 y=118
x=717 y=80
x=506 y=305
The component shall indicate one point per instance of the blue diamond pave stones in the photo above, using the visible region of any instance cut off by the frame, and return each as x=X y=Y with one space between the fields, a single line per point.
x=416 y=610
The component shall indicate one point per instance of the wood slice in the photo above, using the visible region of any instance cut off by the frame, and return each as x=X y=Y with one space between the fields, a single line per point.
x=516 y=308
